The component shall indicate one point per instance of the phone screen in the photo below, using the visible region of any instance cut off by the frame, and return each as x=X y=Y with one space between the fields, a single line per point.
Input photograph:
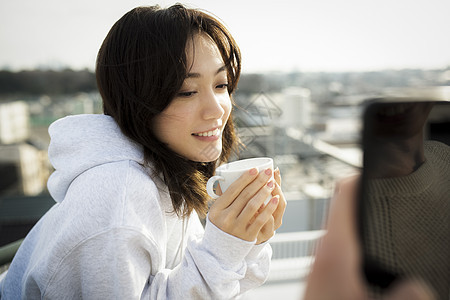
x=404 y=207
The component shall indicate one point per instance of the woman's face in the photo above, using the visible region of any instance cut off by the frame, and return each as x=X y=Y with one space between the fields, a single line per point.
x=192 y=124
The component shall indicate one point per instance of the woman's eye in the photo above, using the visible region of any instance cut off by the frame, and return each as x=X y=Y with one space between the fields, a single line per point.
x=222 y=86
x=186 y=94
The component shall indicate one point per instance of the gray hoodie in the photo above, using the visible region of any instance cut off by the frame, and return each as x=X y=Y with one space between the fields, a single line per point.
x=112 y=233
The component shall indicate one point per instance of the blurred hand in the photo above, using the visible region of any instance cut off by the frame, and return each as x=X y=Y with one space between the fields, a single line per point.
x=238 y=210
x=336 y=273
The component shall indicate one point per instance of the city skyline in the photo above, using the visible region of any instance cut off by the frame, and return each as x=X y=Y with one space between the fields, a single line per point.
x=322 y=35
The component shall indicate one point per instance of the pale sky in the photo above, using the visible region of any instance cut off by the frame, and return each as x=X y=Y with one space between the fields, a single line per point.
x=278 y=35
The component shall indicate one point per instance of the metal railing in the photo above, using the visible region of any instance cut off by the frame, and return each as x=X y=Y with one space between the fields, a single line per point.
x=7 y=253
x=293 y=254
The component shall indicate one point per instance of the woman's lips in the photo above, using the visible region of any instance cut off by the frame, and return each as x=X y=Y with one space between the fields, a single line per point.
x=210 y=135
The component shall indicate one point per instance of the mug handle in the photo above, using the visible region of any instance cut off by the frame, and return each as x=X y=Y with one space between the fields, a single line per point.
x=210 y=186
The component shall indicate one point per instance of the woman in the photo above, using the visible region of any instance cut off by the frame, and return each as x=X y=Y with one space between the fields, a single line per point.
x=129 y=184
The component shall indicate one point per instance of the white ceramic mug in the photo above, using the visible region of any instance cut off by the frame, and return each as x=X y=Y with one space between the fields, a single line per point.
x=229 y=172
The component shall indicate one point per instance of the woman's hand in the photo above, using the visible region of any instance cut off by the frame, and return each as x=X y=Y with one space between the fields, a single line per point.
x=237 y=211
x=336 y=273
x=268 y=230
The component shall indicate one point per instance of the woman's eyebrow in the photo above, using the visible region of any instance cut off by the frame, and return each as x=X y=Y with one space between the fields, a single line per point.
x=197 y=75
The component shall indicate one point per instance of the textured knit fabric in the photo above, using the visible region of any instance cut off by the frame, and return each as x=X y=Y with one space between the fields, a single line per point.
x=113 y=233
x=411 y=226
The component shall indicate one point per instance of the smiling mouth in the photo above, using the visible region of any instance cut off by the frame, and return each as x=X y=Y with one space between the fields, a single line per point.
x=214 y=132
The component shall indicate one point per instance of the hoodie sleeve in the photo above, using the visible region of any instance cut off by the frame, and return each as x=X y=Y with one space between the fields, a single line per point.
x=114 y=264
x=258 y=267
x=117 y=264
x=215 y=266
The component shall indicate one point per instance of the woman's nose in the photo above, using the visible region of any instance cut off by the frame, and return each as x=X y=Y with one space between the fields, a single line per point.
x=214 y=105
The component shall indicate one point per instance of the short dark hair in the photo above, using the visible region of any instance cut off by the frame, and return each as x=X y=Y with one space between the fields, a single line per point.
x=141 y=66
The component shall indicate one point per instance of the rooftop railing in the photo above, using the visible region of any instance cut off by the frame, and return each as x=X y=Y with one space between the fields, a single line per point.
x=293 y=254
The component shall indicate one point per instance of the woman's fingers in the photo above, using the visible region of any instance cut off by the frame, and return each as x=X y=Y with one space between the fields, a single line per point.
x=245 y=200
x=248 y=208
x=218 y=190
x=277 y=176
x=240 y=210
x=279 y=212
x=233 y=191
x=266 y=232
x=263 y=217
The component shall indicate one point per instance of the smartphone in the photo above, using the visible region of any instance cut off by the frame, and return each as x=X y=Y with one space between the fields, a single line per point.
x=404 y=203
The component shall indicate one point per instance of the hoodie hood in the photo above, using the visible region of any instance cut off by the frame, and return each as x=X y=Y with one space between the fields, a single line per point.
x=81 y=142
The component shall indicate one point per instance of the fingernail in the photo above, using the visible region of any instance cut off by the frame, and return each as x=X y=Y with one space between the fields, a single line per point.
x=270 y=184
x=274 y=200
x=253 y=171
x=268 y=171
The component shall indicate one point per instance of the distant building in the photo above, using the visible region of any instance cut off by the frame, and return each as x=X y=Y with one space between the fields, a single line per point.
x=24 y=168
x=14 y=122
x=296 y=107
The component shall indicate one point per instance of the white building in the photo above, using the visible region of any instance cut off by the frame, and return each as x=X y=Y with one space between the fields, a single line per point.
x=23 y=167
x=296 y=107
x=14 y=122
